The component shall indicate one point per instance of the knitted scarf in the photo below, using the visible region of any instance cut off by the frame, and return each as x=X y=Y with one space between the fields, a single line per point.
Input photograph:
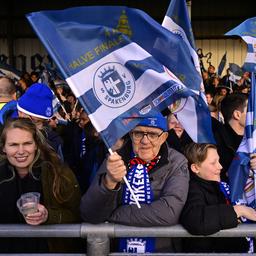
x=139 y=180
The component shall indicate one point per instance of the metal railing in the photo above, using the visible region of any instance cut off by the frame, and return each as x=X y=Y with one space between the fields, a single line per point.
x=98 y=236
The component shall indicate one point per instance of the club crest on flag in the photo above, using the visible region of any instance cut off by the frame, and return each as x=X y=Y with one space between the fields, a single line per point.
x=114 y=85
x=177 y=105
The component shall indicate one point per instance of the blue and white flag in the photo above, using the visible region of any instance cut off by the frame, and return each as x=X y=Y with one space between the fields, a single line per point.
x=235 y=72
x=222 y=64
x=242 y=179
x=189 y=113
x=247 y=30
x=117 y=75
x=178 y=22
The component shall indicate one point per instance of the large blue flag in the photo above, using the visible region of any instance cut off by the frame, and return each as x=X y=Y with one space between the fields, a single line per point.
x=242 y=179
x=178 y=22
x=117 y=75
x=247 y=30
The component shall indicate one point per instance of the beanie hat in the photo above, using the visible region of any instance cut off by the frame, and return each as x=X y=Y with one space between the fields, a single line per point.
x=156 y=120
x=37 y=101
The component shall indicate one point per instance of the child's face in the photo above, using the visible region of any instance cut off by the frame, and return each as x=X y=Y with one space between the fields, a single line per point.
x=210 y=168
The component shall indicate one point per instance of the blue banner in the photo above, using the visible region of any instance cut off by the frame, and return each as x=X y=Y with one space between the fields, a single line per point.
x=242 y=179
x=119 y=62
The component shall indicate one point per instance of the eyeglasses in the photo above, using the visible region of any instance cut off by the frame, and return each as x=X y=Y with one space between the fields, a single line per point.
x=139 y=135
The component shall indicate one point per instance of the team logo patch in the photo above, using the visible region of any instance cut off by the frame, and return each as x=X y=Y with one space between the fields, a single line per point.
x=113 y=85
x=48 y=111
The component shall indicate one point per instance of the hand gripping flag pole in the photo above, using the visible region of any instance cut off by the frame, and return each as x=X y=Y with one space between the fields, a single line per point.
x=128 y=185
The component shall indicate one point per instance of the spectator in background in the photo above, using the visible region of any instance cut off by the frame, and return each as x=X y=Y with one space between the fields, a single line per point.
x=223 y=90
x=36 y=104
x=225 y=80
x=8 y=104
x=208 y=208
x=209 y=97
x=34 y=76
x=177 y=136
x=229 y=136
x=28 y=164
x=84 y=150
x=211 y=71
x=206 y=80
x=23 y=84
x=160 y=176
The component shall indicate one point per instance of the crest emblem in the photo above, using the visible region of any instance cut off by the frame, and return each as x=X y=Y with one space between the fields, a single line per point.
x=114 y=85
x=48 y=112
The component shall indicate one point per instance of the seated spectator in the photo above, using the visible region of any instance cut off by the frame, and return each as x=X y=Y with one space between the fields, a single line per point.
x=28 y=164
x=159 y=177
x=208 y=209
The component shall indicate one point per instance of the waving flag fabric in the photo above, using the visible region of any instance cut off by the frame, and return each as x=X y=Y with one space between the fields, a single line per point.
x=235 y=72
x=222 y=64
x=117 y=75
x=242 y=179
x=178 y=22
x=247 y=30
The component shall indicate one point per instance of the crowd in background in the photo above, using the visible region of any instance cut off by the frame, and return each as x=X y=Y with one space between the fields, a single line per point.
x=78 y=148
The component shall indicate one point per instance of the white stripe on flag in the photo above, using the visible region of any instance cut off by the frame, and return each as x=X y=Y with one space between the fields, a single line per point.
x=81 y=82
x=188 y=118
x=145 y=85
x=249 y=118
x=169 y=24
x=249 y=39
x=234 y=78
x=250 y=57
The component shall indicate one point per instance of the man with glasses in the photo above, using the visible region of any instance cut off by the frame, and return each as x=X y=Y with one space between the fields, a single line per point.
x=158 y=176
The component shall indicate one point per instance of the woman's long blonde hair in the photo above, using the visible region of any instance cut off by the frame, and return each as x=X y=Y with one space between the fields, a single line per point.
x=45 y=154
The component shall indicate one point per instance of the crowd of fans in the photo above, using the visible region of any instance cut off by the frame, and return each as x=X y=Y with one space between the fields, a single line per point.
x=58 y=153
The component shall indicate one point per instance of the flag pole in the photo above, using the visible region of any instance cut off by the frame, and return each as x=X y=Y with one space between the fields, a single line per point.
x=128 y=185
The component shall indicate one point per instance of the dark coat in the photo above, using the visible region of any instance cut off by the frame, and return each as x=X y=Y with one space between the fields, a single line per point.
x=227 y=142
x=169 y=183
x=67 y=212
x=86 y=166
x=207 y=212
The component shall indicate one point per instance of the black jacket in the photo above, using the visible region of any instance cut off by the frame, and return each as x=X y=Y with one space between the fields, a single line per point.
x=207 y=212
x=227 y=142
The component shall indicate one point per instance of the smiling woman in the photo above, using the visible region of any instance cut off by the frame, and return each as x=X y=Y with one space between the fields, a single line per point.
x=28 y=164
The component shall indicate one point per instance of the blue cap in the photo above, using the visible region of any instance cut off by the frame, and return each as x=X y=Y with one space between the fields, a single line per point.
x=155 y=120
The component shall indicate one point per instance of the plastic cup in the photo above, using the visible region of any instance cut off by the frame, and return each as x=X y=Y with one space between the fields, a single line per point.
x=28 y=202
